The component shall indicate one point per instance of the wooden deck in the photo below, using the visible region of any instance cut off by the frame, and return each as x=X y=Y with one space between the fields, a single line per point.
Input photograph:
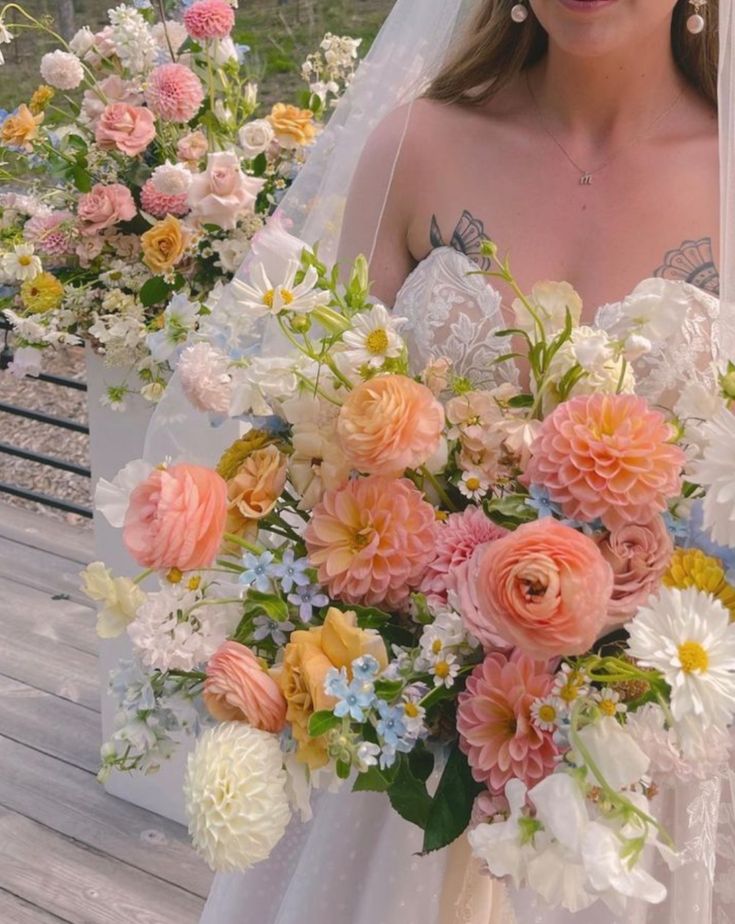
x=69 y=852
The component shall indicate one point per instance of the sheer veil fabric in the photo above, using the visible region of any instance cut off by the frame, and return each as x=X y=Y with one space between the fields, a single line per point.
x=407 y=54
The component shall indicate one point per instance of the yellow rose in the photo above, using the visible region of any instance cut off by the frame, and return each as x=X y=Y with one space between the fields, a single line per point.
x=21 y=127
x=309 y=656
x=164 y=244
x=294 y=127
x=255 y=489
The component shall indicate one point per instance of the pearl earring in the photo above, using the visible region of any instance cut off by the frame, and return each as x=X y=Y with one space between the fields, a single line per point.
x=696 y=23
x=519 y=13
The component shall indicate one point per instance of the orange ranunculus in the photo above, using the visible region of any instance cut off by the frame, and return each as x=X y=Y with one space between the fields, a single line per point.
x=294 y=127
x=164 y=244
x=21 y=128
x=239 y=689
x=254 y=490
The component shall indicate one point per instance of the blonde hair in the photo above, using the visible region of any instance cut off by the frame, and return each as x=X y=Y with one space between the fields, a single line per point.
x=495 y=49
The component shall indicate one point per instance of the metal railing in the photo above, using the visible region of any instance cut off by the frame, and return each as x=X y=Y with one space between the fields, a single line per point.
x=6 y=356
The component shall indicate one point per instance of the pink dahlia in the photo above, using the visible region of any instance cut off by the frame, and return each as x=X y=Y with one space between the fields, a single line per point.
x=174 y=92
x=52 y=234
x=496 y=731
x=607 y=457
x=371 y=540
x=159 y=204
x=209 y=19
x=456 y=540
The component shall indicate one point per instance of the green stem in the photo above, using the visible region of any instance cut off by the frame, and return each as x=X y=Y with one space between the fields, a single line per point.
x=438 y=487
x=141 y=577
x=243 y=543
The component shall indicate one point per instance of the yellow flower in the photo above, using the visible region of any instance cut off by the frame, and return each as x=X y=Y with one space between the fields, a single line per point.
x=42 y=96
x=692 y=568
x=42 y=293
x=21 y=128
x=234 y=456
x=294 y=127
x=164 y=244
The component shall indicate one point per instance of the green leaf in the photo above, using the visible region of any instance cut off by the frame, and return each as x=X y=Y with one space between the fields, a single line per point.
x=437 y=695
x=409 y=797
x=322 y=722
x=270 y=604
x=82 y=179
x=388 y=689
x=369 y=617
x=451 y=807
x=421 y=763
x=259 y=164
x=375 y=780
x=511 y=510
x=343 y=769
x=155 y=290
x=521 y=401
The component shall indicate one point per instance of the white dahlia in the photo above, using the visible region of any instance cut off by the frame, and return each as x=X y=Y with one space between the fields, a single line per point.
x=688 y=636
x=236 y=800
x=716 y=473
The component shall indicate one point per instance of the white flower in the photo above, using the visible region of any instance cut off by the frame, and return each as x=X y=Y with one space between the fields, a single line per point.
x=21 y=264
x=180 y=318
x=499 y=845
x=570 y=684
x=647 y=727
x=546 y=712
x=444 y=669
x=655 y=309
x=256 y=137
x=153 y=391
x=614 y=752
x=26 y=361
x=114 y=398
x=635 y=347
x=121 y=598
x=111 y=498
x=608 y=702
x=367 y=756
x=275 y=248
x=236 y=800
x=604 y=372
x=551 y=301
x=82 y=42
x=62 y=70
x=298 y=785
x=716 y=473
x=205 y=379
x=171 y=33
x=262 y=297
x=171 y=179
x=373 y=338
x=688 y=636
x=231 y=251
x=5 y=34
x=473 y=486
x=132 y=39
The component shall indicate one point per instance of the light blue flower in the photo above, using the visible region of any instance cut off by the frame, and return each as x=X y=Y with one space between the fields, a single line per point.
x=365 y=668
x=390 y=726
x=265 y=627
x=292 y=571
x=387 y=757
x=538 y=499
x=257 y=571
x=306 y=598
x=353 y=698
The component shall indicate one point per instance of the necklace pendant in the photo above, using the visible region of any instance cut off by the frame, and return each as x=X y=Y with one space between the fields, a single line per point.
x=585 y=179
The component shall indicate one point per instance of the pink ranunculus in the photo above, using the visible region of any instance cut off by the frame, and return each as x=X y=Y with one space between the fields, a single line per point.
x=192 y=147
x=159 y=204
x=176 y=518
x=129 y=129
x=104 y=206
x=112 y=89
x=371 y=540
x=496 y=730
x=222 y=194
x=239 y=689
x=209 y=19
x=456 y=541
x=544 y=588
x=639 y=555
x=174 y=92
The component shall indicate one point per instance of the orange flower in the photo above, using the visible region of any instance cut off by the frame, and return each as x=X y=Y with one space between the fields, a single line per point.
x=239 y=689
x=164 y=244
x=294 y=127
x=21 y=128
x=253 y=492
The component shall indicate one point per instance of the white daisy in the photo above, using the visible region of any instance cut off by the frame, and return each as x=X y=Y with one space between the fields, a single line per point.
x=373 y=338
x=608 y=702
x=444 y=670
x=261 y=296
x=570 y=684
x=546 y=713
x=20 y=264
x=473 y=486
x=688 y=636
x=716 y=473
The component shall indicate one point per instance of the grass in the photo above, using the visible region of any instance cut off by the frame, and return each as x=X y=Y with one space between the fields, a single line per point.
x=280 y=33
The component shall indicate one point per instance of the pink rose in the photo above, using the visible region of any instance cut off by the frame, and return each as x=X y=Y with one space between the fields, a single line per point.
x=104 y=206
x=192 y=147
x=223 y=193
x=239 y=689
x=89 y=248
x=128 y=128
x=544 y=588
x=112 y=89
x=176 y=518
x=639 y=555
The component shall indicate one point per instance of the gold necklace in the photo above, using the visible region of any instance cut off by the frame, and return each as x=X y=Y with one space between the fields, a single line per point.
x=585 y=176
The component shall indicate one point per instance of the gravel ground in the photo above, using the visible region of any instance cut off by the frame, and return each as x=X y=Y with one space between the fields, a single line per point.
x=63 y=444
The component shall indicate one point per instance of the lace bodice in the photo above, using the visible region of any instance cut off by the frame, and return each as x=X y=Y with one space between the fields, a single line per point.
x=454 y=313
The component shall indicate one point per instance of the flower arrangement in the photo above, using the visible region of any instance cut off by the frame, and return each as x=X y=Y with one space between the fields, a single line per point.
x=407 y=580
x=136 y=175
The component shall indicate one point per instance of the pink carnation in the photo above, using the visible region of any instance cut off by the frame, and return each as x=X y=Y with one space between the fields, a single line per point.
x=607 y=457
x=371 y=540
x=159 y=204
x=456 y=540
x=174 y=92
x=209 y=19
x=496 y=730
x=52 y=234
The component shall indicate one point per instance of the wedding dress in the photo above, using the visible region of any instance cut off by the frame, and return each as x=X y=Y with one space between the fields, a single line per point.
x=357 y=861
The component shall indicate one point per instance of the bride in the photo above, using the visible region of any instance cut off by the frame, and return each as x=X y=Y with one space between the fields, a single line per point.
x=582 y=137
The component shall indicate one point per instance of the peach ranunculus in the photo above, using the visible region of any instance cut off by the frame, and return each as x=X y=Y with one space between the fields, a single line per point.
x=129 y=129
x=21 y=128
x=254 y=490
x=192 y=147
x=164 y=244
x=372 y=540
x=293 y=127
x=308 y=657
x=104 y=206
x=388 y=424
x=639 y=555
x=176 y=518
x=239 y=689
x=544 y=588
x=222 y=194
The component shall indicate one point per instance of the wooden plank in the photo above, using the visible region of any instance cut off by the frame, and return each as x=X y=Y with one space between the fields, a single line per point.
x=41 y=570
x=73 y=803
x=82 y=886
x=14 y=910
x=40 y=532
x=49 y=724
x=38 y=615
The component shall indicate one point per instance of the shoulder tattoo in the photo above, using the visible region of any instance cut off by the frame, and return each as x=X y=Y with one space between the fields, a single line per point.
x=692 y=262
x=467 y=238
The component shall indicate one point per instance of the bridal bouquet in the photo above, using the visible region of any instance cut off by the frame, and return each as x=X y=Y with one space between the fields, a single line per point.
x=136 y=176
x=416 y=584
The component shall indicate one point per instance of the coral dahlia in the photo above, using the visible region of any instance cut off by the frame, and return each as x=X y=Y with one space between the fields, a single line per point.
x=174 y=92
x=209 y=19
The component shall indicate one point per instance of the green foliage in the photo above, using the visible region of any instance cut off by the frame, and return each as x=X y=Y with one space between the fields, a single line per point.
x=451 y=807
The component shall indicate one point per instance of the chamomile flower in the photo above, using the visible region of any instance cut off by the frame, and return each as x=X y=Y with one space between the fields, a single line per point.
x=413 y=711
x=262 y=296
x=373 y=338
x=570 y=684
x=473 y=486
x=20 y=264
x=444 y=670
x=546 y=713
x=608 y=702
